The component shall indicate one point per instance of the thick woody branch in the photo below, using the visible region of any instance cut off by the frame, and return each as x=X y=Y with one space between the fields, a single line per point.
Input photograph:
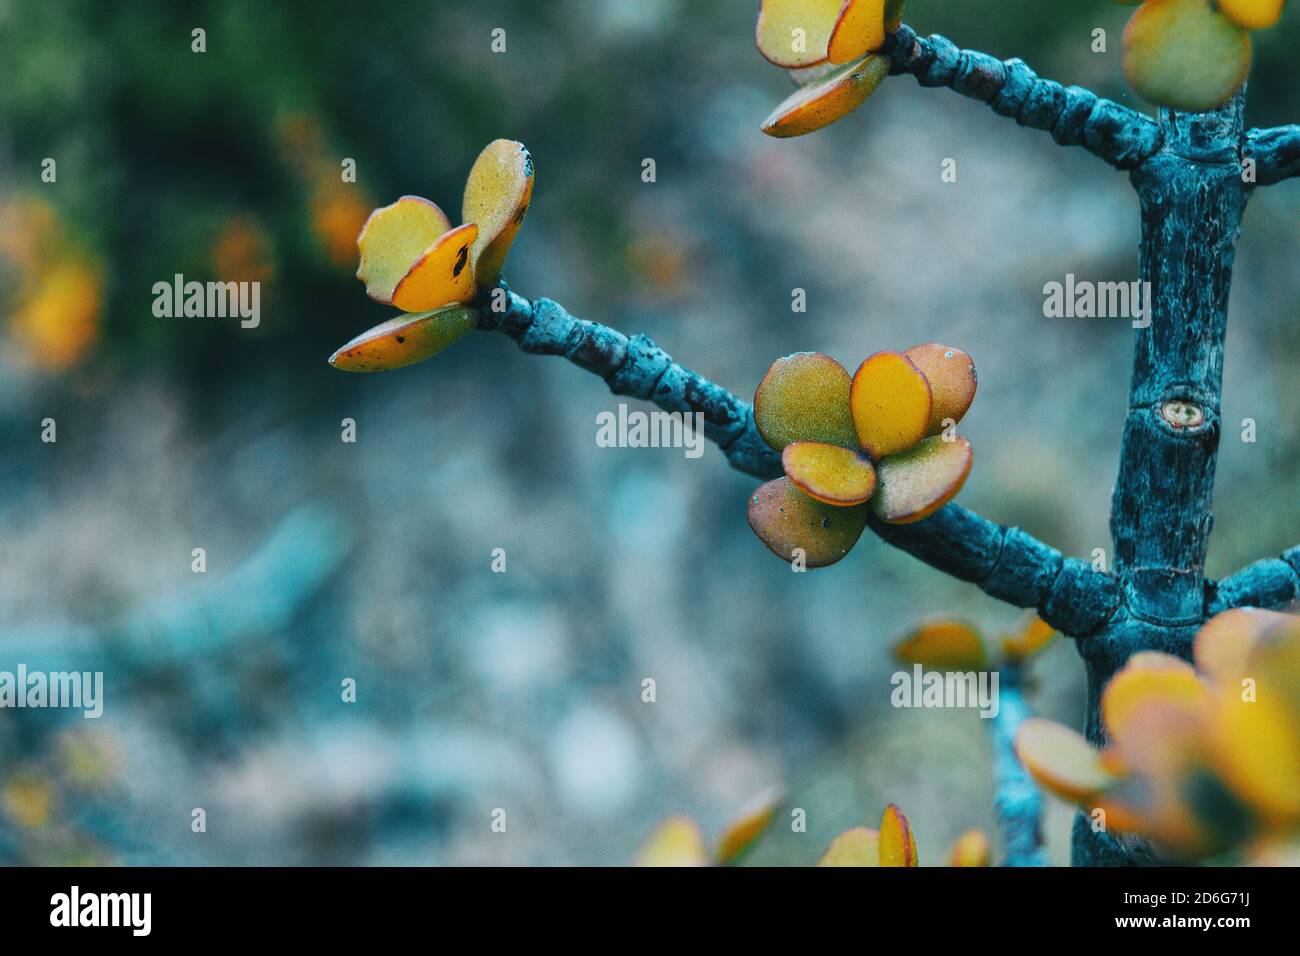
x=1272 y=583
x=1005 y=562
x=1276 y=153
x=1073 y=115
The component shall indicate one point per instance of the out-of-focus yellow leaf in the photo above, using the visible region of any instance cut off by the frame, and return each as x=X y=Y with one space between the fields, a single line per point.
x=971 y=849
x=1061 y=760
x=943 y=645
x=676 y=842
x=741 y=834
x=857 y=847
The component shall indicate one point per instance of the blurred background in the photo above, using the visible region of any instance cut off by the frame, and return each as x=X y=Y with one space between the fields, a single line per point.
x=371 y=560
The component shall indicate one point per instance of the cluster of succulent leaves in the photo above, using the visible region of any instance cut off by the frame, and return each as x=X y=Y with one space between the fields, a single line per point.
x=1193 y=54
x=678 y=841
x=412 y=258
x=829 y=47
x=951 y=645
x=881 y=442
x=1200 y=760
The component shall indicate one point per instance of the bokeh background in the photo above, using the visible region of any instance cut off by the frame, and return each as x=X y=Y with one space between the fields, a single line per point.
x=371 y=561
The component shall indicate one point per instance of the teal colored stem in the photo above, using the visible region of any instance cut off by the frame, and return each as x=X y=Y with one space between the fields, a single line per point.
x=1193 y=174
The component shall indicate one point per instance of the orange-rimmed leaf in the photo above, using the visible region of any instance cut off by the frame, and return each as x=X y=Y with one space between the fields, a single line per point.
x=1028 y=641
x=404 y=340
x=497 y=193
x=391 y=241
x=890 y=402
x=857 y=847
x=795 y=33
x=1224 y=643
x=918 y=482
x=830 y=473
x=788 y=521
x=1148 y=675
x=971 y=849
x=676 y=842
x=1185 y=54
x=859 y=29
x=951 y=374
x=441 y=276
x=943 y=645
x=742 y=832
x=897 y=841
x=1061 y=760
x=804 y=397
x=821 y=103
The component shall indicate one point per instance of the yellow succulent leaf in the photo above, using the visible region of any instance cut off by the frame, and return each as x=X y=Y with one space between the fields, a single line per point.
x=1149 y=675
x=441 y=276
x=748 y=827
x=951 y=374
x=860 y=29
x=1185 y=54
x=497 y=194
x=786 y=520
x=1225 y=642
x=897 y=841
x=1061 y=760
x=392 y=239
x=796 y=33
x=857 y=847
x=890 y=401
x=943 y=645
x=1028 y=641
x=971 y=849
x=404 y=340
x=916 y=483
x=676 y=842
x=830 y=473
x=804 y=397
x=821 y=103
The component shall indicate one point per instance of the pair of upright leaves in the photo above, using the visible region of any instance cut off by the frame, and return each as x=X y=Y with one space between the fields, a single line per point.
x=1200 y=759
x=1193 y=54
x=412 y=258
x=880 y=441
x=829 y=47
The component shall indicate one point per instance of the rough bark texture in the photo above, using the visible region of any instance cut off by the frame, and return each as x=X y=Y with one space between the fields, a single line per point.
x=1192 y=195
x=1192 y=176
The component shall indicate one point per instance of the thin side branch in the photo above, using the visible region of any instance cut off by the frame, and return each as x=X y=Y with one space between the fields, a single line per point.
x=1017 y=800
x=1007 y=563
x=1276 y=153
x=1273 y=583
x=1073 y=115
